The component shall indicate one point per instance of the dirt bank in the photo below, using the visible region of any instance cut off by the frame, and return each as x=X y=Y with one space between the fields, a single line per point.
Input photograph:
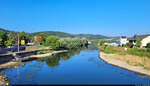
x=108 y=58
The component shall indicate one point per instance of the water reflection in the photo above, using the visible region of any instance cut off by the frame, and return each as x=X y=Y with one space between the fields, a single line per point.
x=53 y=61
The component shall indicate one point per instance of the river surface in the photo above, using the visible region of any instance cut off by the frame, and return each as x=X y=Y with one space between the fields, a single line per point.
x=75 y=67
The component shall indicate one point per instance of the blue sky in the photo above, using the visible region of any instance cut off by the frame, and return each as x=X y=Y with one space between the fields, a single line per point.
x=106 y=17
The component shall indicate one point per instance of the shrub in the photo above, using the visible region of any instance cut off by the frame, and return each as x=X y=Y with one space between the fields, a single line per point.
x=130 y=45
x=138 y=42
x=52 y=41
x=105 y=46
x=68 y=43
x=100 y=42
x=148 y=45
x=148 y=49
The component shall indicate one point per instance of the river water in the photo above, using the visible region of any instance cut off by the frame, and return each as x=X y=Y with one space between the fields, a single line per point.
x=74 y=67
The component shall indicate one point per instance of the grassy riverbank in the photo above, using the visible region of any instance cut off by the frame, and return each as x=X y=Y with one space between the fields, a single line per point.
x=30 y=48
x=132 y=56
x=122 y=51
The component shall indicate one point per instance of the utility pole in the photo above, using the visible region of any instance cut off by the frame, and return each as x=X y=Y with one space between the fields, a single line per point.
x=18 y=42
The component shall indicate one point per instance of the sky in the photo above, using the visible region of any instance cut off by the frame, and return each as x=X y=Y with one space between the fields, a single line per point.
x=104 y=17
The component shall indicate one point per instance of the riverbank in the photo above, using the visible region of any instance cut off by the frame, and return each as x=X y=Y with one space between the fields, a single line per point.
x=108 y=58
x=12 y=63
x=16 y=64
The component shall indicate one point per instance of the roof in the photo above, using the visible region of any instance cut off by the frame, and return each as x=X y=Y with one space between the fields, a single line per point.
x=138 y=36
x=123 y=37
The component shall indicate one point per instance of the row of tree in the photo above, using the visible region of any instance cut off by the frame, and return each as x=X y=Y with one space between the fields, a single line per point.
x=55 y=42
x=11 y=39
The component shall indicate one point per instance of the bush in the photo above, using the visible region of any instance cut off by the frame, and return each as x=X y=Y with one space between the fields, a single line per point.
x=148 y=49
x=138 y=42
x=52 y=41
x=100 y=42
x=148 y=45
x=8 y=43
x=130 y=45
x=68 y=43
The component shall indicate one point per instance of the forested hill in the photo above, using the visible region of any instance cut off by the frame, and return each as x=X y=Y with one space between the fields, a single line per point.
x=63 y=34
x=91 y=36
x=7 y=31
x=55 y=33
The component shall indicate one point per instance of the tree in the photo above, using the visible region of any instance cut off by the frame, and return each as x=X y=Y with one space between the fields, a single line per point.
x=138 y=42
x=100 y=42
x=38 y=39
x=8 y=43
x=3 y=38
x=44 y=36
x=148 y=47
x=24 y=36
x=52 y=41
x=15 y=38
x=130 y=45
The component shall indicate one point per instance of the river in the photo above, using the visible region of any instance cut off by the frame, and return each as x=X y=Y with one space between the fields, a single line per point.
x=74 y=67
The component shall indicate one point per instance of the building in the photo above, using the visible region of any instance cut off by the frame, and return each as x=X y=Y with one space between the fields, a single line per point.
x=117 y=43
x=145 y=39
x=123 y=40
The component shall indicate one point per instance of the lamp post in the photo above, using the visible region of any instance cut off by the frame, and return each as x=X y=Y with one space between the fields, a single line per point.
x=18 y=42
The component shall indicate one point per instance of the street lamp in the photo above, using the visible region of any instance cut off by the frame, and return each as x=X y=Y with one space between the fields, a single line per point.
x=18 y=42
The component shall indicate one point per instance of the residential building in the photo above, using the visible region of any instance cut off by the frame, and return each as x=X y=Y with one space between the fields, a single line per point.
x=145 y=39
x=123 y=40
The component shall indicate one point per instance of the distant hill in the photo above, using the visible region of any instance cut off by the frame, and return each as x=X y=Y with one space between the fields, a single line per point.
x=91 y=36
x=64 y=35
x=55 y=33
x=7 y=31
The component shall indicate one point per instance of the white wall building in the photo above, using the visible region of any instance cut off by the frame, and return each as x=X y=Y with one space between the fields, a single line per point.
x=123 y=40
x=145 y=39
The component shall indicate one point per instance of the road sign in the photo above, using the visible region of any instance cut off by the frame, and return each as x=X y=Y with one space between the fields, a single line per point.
x=22 y=42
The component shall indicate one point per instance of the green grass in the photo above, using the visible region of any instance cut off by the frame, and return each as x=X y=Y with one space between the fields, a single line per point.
x=34 y=47
x=44 y=51
x=130 y=51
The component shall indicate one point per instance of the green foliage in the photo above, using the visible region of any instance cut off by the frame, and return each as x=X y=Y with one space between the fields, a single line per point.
x=74 y=43
x=139 y=52
x=24 y=36
x=52 y=41
x=10 y=36
x=90 y=36
x=8 y=43
x=148 y=45
x=138 y=42
x=3 y=38
x=100 y=42
x=65 y=35
x=130 y=45
x=44 y=36
x=105 y=46
x=54 y=33
x=148 y=49
x=44 y=51
x=124 y=45
x=130 y=51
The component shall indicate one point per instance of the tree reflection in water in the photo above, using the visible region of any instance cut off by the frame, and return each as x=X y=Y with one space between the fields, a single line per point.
x=53 y=61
